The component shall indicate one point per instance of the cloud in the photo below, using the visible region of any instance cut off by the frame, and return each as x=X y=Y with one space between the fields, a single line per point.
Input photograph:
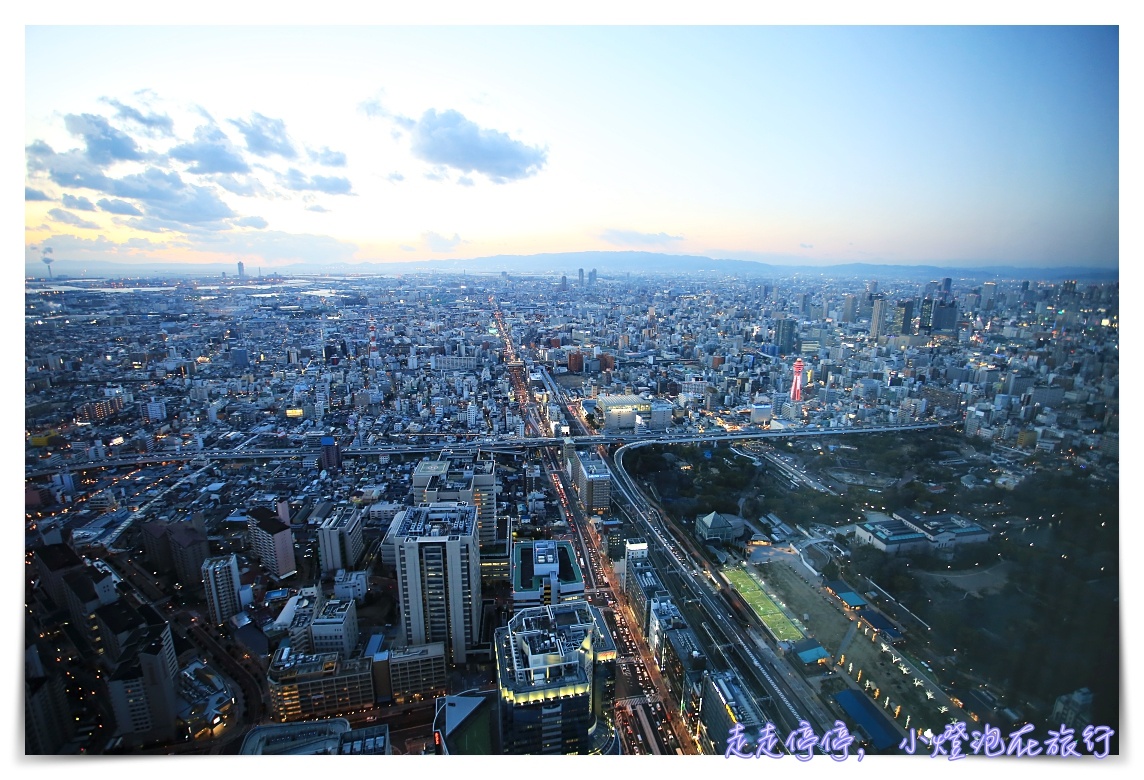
x=98 y=247
x=465 y=181
x=265 y=136
x=331 y=185
x=169 y=198
x=437 y=173
x=160 y=123
x=81 y=203
x=438 y=243
x=395 y=177
x=70 y=169
x=248 y=186
x=374 y=109
x=318 y=208
x=325 y=156
x=66 y=217
x=635 y=238
x=275 y=245
x=407 y=248
x=31 y=194
x=211 y=152
x=450 y=139
x=254 y=222
x=807 y=246
x=121 y=207
x=105 y=144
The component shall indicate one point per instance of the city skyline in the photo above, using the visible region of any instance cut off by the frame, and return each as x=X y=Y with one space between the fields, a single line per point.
x=787 y=145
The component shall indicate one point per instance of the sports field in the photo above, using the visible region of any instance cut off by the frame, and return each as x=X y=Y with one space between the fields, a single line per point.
x=761 y=604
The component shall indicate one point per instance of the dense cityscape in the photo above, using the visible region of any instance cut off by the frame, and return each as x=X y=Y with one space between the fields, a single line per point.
x=574 y=511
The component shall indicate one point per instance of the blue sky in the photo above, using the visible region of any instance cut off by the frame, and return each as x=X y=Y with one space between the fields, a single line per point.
x=943 y=145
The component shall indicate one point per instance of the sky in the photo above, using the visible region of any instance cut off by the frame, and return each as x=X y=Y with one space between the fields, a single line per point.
x=277 y=145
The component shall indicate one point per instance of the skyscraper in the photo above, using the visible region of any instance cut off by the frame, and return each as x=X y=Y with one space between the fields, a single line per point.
x=241 y=270
x=221 y=583
x=437 y=559
x=878 y=318
x=786 y=335
x=903 y=324
x=850 y=308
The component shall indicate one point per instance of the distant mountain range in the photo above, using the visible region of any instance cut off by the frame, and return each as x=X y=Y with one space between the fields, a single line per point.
x=607 y=264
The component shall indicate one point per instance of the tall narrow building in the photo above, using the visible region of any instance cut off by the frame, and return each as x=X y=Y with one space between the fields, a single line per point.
x=340 y=542
x=878 y=318
x=220 y=581
x=272 y=543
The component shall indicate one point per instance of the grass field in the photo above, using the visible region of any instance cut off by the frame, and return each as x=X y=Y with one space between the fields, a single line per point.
x=761 y=604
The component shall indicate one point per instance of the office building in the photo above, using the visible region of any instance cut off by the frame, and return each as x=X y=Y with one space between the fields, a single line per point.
x=726 y=702
x=180 y=547
x=334 y=628
x=555 y=673
x=221 y=584
x=545 y=572
x=331 y=457
x=593 y=481
x=903 y=323
x=417 y=673
x=438 y=568
x=305 y=686
x=634 y=550
x=786 y=335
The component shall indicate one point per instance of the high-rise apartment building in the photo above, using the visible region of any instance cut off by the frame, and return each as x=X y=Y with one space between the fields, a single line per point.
x=878 y=318
x=272 y=543
x=462 y=477
x=141 y=689
x=339 y=539
x=221 y=584
x=438 y=567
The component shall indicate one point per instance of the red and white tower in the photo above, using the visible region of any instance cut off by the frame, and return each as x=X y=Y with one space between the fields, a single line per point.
x=796 y=383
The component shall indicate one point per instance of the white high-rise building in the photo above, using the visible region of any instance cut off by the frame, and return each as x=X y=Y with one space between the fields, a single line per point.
x=339 y=540
x=272 y=543
x=221 y=584
x=437 y=557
